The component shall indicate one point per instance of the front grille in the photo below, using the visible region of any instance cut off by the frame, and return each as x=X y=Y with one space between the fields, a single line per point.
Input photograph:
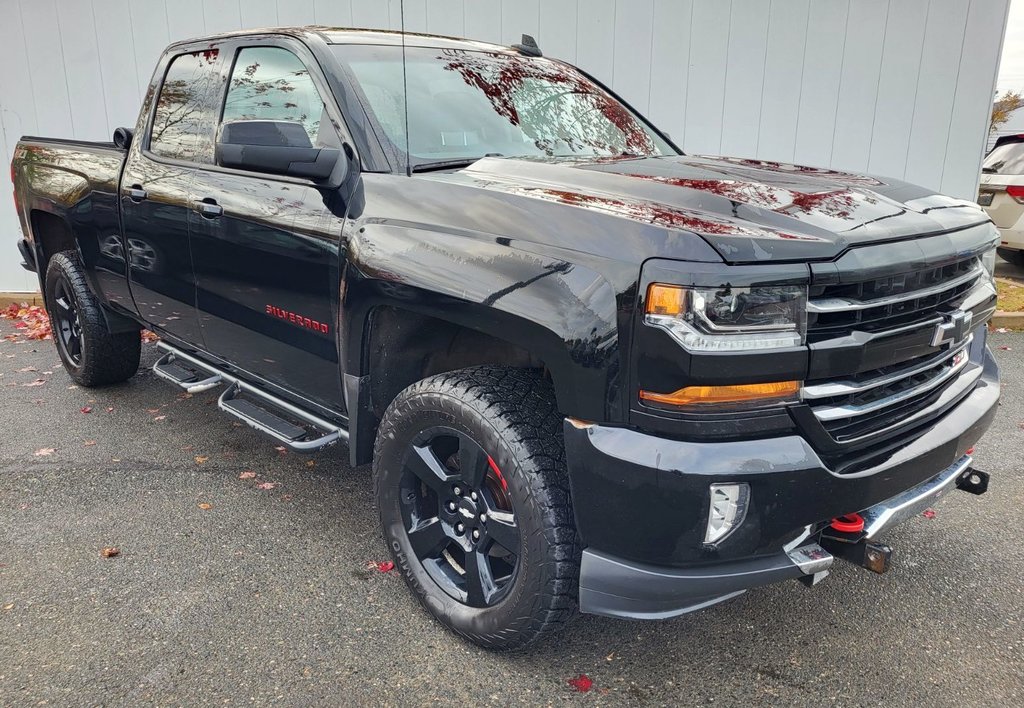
x=876 y=401
x=892 y=319
x=886 y=303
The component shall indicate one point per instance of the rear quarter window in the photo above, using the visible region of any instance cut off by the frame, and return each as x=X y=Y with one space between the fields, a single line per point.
x=184 y=118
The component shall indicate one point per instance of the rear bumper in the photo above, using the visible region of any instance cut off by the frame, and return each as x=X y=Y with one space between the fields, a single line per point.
x=641 y=505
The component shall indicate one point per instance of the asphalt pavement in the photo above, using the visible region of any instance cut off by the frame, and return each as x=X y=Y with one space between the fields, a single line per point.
x=237 y=588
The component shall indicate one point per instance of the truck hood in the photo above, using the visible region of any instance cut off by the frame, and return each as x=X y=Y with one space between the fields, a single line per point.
x=747 y=210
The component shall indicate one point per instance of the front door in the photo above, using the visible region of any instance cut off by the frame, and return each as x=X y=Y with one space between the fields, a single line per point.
x=266 y=247
x=155 y=189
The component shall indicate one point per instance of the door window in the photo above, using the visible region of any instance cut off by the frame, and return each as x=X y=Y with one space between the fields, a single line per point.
x=271 y=83
x=184 y=116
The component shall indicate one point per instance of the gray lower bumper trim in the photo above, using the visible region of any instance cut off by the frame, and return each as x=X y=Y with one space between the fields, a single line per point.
x=617 y=588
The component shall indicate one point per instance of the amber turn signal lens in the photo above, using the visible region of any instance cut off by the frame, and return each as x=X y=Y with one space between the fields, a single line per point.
x=724 y=394
x=665 y=299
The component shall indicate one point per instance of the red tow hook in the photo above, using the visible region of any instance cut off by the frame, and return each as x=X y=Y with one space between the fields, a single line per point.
x=848 y=523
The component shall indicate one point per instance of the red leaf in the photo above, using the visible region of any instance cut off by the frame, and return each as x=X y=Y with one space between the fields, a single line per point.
x=381 y=566
x=87 y=409
x=928 y=513
x=581 y=683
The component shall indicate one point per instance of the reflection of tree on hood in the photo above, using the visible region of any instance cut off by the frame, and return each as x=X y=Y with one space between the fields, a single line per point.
x=551 y=103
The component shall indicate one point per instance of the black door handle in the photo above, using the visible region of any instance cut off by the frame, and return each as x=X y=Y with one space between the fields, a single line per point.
x=209 y=208
x=136 y=193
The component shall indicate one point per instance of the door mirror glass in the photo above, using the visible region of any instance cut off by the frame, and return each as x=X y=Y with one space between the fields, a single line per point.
x=275 y=147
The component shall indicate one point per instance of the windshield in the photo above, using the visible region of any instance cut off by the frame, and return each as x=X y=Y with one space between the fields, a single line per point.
x=1007 y=159
x=468 y=104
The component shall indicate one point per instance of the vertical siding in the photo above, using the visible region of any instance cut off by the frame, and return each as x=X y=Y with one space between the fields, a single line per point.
x=895 y=87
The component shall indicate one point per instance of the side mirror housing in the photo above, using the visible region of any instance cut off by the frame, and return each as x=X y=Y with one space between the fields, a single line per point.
x=276 y=147
x=123 y=138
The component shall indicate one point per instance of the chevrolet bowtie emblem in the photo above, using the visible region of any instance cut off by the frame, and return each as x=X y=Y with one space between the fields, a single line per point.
x=953 y=329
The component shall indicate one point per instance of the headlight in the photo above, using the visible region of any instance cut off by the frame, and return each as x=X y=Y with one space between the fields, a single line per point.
x=729 y=318
x=988 y=261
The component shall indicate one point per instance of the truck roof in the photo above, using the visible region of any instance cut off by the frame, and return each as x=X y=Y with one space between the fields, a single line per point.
x=349 y=35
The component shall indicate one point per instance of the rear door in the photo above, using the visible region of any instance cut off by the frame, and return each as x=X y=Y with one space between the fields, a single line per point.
x=176 y=134
x=266 y=247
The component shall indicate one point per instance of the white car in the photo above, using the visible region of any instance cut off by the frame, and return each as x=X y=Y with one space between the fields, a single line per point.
x=1001 y=194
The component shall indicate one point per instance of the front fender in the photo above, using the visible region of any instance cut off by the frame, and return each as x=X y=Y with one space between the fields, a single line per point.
x=566 y=314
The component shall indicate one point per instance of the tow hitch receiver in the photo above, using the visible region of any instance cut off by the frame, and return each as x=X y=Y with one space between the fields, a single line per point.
x=974 y=481
x=851 y=547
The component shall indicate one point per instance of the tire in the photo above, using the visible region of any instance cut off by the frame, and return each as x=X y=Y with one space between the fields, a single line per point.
x=511 y=416
x=1012 y=255
x=90 y=354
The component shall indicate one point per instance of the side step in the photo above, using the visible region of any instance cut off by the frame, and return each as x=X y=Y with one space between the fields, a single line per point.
x=171 y=367
x=295 y=428
x=316 y=434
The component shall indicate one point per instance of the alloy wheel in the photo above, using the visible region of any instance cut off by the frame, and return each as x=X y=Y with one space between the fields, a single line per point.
x=458 y=516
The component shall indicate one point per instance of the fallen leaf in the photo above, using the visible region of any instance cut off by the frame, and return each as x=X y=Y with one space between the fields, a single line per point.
x=281 y=449
x=110 y=409
x=9 y=606
x=160 y=417
x=151 y=411
x=148 y=336
x=72 y=387
x=89 y=443
x=110 y=552
x=87 y=409
x=1002 y=330
x=247 y=475
x=381 y=566
x=1005 y=348
x=286 y=497
x=266 y=485
x=44 y=451
x=27 y=369
x=37 y=382
x=581 y=684
x=47 y=373
x=310 y=463
x=200 y=459
x=928 y=513
x=205 y=506
x=24 y=505
x=610 y=657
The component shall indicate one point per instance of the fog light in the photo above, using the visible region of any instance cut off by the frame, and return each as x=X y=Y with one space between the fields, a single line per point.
x=728 y=509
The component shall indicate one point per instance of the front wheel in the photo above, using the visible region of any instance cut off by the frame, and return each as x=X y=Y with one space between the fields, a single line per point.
x=469 y=471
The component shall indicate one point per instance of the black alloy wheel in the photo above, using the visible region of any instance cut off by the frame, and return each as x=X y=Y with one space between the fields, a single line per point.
x=89 y=351
x=459 y=516
x=67 y=329
x=474 y=502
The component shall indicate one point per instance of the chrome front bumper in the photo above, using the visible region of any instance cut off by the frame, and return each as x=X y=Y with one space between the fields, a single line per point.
x=883 y=516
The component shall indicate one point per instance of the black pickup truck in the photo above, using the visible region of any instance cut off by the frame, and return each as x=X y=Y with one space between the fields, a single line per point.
x=589 y=370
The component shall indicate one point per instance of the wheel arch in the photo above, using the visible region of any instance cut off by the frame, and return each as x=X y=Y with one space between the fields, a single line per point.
x=391 y=343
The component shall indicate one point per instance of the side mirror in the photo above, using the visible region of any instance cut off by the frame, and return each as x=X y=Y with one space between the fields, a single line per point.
x=123 y=138
x=276 y=147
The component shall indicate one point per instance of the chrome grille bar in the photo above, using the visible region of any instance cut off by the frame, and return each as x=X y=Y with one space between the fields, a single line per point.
x=840 y=304
x=942 y=373
x=849 y=387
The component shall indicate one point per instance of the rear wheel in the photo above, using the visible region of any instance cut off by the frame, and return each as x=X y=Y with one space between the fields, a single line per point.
x=91 y=354
x=472 y=493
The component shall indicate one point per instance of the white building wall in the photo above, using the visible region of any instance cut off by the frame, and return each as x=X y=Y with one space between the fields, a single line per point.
x=896 y=87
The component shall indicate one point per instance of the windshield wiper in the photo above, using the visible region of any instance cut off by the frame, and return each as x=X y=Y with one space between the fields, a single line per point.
x=451 y=164
x=444 y=164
